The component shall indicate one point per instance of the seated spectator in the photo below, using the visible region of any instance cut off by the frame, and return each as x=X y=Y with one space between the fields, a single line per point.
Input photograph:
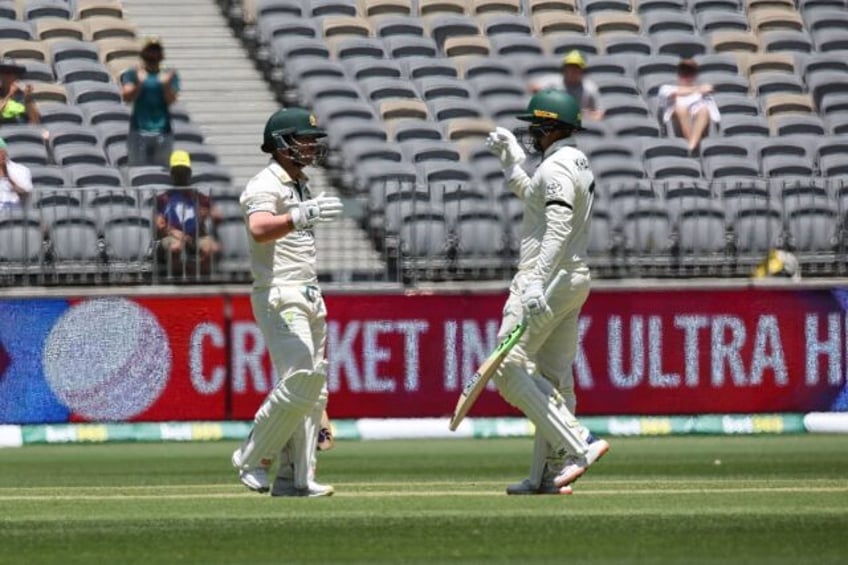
x=16 y=102
x=183 y=215
x=688 y=104
x=574 y=81
x=151 y=88
x=15 y=182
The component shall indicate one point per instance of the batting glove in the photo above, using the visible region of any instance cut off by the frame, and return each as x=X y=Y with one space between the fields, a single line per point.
x=506 y=148
x=319 y=209
x=537 y=313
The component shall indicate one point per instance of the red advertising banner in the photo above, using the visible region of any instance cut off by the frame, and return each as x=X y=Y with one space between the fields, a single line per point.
x=392 y=355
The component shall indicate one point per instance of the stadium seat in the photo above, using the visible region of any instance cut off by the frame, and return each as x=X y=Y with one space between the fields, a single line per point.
x=702 y=229
x=399 y=46
x=93 y=175
x=647 y=231
x=452 y=108
x=20 y=239
x=721 y=166
x=75 y=238
x=658 y=21
x=421 y=67
x=505 y=23
x=710 y=21
x=370 y=8
x=757 y=229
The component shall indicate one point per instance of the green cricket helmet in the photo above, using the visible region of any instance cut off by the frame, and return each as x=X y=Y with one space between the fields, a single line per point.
x=286 y=123
x=553 y=107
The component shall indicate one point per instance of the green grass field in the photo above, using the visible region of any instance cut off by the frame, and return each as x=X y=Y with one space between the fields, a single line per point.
x=685 y=500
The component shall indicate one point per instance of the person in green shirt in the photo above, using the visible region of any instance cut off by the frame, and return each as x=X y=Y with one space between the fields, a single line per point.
x=151 y=88
x=16 y=101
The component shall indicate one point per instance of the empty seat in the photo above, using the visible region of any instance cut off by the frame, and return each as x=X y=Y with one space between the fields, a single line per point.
x=315 y=89
x=539 y=6
x=562 y=43
x=647 y=231
x=11 y=29
x=504 y=106
x=348 y=47
x=66 y=49
x=508 y=44
x=771 y=19
x=661 y=21
x=403 y=108
x=48 y=176
x=770 y=83
x=386 y=26
x=336 y=26
x=107 y=27
x=51 y=28
x=710 y=21
x=330 y=8
x=812 y=228
x=46 y=92
x=420 y=150
x=398 y=46
x=664 y=147
x=420 y=67
x=781 y=166
x=424 y=235
x=480 y=233
x=20 y=239
x=285 y=49
x=721 y=166
x=670 y=167
x=791 y=41
x=428 y=7
x=789 y=124
x=359 y=69
x=39 y=71
x=734 y=42
x=468 y=128
x=551 y=24
x=632 y=126
x=736 y=104
x=824 y=82
x=101 y=113
x=787 y=103
x=432 y=88
x=607 y=167
x=75 y=238
x=494 y=6
x=744 y=125
x=93 y=175
x=702 y=229
x=406 y=129
x=118 y=48
x=495 y=24
x=593 y=6
x=725 y=83
x=466 y=45
x=86 y=92
x=678 y=43
x=28 y=153
x=371 y=8
x=837 y=123
x=147 y=175
x=625 y=44
x=452 y=108
x=830 y=40
x=92 y=8
x=614 y=22
x=740 y=147
x=757 y=228
x=128 y=237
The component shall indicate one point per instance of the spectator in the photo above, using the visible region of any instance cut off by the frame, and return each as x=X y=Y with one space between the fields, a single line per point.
x=183 y=217
x=15 y=182
x=16 y=102
x=152 y=89
x=574 y=81
x=688 y=105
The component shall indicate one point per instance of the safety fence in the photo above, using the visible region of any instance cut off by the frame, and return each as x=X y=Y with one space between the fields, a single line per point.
x=447 y=229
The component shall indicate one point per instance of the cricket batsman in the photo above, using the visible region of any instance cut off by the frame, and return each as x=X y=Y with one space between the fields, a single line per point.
x=536 y=376
x=280 y=213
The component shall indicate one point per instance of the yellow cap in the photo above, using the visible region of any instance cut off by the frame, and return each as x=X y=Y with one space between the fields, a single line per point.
x=150 y=41
x=574 y=58
x=180 y=158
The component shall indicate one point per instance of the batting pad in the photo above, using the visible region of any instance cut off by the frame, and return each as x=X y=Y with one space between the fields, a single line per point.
x=280 y=415
x=304 y=444
x=547 y=411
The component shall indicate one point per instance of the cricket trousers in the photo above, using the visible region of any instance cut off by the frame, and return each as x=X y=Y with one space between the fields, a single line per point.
x=550 y=351
x=293 y=321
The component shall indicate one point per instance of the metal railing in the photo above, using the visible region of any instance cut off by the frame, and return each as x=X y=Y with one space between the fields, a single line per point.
x=444 y=231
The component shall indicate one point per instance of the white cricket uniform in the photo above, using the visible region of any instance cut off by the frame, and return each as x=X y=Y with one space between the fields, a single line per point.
x=290 y=311
x=554 y=235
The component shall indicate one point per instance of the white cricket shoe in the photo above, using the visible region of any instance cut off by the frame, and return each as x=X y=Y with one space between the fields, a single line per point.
x=575 y=466
x=285 y=487
x=547 y=487
x=256 y=479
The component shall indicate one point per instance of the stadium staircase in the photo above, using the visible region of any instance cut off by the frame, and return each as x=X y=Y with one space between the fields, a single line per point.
x=230 y=101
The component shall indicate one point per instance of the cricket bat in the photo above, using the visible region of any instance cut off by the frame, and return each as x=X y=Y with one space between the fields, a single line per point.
x=478 y=382
x=471 y=391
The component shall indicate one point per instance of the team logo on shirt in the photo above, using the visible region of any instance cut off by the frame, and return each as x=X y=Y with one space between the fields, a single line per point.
x=554 y=191
x=313 y=121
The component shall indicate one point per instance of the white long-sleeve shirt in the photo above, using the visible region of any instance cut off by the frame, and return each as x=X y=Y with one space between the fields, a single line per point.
x=557 y=211
x=289 y=260
x=20 y=174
